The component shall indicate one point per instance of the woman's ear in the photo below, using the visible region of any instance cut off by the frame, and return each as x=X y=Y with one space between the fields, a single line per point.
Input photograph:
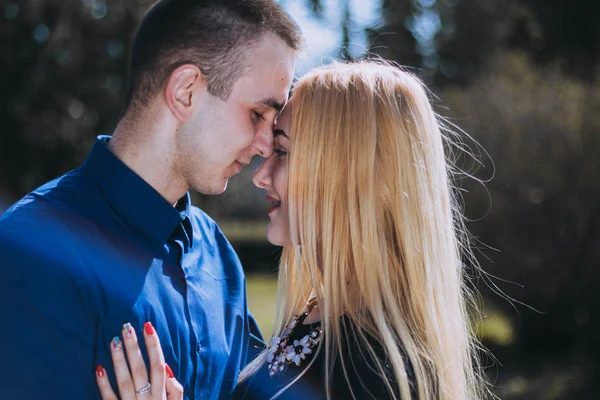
x=183 y=92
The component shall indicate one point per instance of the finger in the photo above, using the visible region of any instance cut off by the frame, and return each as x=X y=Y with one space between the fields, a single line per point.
x=106 y=391
x=137 y=366
x=126 y=389
x=157 y=360
x=173 y=387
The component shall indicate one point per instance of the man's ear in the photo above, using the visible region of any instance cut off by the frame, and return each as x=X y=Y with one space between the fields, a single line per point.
x=183 y=91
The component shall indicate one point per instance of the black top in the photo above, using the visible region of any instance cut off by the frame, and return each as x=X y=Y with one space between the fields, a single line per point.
x=365 y=382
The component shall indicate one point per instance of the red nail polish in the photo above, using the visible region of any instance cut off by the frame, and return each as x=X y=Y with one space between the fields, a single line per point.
x=149 y=329
x=100 y=371
x=169 y=372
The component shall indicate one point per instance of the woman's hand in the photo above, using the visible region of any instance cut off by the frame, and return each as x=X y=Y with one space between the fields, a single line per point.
x=162 y=385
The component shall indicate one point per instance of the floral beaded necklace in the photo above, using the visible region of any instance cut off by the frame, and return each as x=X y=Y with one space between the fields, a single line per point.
x=282 y=353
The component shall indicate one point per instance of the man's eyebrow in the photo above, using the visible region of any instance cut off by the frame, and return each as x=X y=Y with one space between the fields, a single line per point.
x=272 y=103
x=279 y=132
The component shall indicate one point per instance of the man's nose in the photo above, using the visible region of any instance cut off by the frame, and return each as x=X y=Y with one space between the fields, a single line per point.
x=263 y=143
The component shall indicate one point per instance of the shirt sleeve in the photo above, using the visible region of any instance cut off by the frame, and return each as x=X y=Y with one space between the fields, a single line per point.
x=47 y=333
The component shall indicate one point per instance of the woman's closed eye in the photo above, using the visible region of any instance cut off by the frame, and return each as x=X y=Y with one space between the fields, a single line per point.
x=279 y=152
x=256 y=116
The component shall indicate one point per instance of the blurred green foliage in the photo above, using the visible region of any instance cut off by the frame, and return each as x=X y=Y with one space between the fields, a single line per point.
x=261 y=290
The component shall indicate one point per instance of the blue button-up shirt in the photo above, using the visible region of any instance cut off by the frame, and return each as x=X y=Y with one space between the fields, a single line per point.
x=97 y=248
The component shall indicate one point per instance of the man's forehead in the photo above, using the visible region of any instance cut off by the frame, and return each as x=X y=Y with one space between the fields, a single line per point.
x=272 y=72
x=248 y=90
x=274 y=86
x=268 y=86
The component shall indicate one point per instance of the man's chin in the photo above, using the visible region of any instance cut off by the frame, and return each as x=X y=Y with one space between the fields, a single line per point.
x=214 y=189
x=223 y=188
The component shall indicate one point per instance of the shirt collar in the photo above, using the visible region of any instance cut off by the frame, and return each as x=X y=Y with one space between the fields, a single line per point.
x=185 y=231
x=138 y=203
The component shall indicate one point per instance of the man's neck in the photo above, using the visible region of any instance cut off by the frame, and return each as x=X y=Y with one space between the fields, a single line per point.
x=147 y=148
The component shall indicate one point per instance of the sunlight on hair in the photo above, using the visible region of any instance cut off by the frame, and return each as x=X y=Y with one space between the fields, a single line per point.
x=379 y=230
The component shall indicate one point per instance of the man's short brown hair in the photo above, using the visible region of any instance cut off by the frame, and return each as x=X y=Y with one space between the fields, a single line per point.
x=215 y=35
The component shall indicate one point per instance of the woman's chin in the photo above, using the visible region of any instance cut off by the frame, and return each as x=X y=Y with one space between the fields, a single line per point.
x=277 y=238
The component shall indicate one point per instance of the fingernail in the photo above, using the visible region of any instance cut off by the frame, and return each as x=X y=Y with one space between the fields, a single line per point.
x=149 y=329
x=100 y=371
x=116 y=343
x=128 y=329
x=169 y=372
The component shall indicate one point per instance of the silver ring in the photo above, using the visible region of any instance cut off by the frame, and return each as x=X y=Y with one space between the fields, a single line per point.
x=145 y=389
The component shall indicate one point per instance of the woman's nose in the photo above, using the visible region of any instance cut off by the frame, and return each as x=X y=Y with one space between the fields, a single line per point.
x=262 y=176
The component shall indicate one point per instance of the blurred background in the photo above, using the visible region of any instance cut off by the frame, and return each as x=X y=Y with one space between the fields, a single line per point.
x=522 y=77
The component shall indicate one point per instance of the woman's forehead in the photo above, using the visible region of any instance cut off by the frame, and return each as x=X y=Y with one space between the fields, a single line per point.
x=285 y=117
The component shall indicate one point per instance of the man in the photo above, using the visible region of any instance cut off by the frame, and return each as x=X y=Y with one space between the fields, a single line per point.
x=117 y=241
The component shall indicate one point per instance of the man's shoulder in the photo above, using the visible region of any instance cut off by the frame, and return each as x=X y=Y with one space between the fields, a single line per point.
x=33 y=229
x=55 y=195
x=43 y=214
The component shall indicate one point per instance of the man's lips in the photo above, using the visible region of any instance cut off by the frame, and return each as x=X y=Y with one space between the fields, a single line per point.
x=240 y=165
x=274 y=204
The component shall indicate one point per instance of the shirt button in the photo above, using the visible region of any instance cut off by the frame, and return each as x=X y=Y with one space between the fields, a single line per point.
x=198 y=347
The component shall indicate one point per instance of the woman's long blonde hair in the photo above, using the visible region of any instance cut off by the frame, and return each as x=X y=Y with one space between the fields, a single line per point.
x=380 y=233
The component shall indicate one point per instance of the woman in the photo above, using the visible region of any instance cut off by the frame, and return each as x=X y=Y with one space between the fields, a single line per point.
x=371 y=295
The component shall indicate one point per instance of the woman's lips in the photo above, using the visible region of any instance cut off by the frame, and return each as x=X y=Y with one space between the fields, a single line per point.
x=274 y=204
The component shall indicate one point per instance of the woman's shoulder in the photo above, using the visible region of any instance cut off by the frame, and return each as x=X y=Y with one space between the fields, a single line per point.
x=363 y=368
